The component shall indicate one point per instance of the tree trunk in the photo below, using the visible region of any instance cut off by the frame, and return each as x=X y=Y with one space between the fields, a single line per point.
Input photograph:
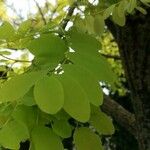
x=134 y=44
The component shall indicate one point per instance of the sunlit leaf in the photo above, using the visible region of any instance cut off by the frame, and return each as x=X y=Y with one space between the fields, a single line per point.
x=18 y=86
x=87 y=81
x=6 y=31
x=75 y=98
x=12 y=134
x=43 y=138
x=49 y=95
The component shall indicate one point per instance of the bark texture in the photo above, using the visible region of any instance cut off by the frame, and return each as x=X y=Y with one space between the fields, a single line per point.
x=120 y=114
x=134 y=44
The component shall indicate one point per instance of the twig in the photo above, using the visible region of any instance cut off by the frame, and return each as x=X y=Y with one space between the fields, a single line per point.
x=40 y=11
x=11 y=6
x=69 y=14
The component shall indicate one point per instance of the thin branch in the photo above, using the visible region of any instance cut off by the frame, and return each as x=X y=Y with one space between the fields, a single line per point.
x=111 y=56
x=40 y=11
x=69 y=14
x=15 y=60
x=120 y=115
x=12 y=7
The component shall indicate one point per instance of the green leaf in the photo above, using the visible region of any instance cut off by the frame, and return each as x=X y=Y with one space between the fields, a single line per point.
x=26 y=115
x=62 y=115
x=48 y=48
x=86 y=55
x=121 y=8
x=131 y=5
x=49 y=96
x=89 y=24
x=85 y=139
x=28 y=98
x=99 y=24
x=118 y=18
x=12 y=134
x=62 y=128
x=18 y=86
x=75 y=98
x=96 y=64
x=142 y=10
x=25 y=27
x=145 y=2
x=44 y=118
x=101 y=122
x=87 y=81
x=83 y=43
x=5 y=113
x=6 y=31
x=108 y=11
x=43 y=138
x=80 y=24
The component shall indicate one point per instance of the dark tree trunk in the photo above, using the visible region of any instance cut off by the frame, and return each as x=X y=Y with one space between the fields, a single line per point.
x=134 y=44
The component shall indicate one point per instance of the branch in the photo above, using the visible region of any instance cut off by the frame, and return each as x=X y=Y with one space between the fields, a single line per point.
x=111 y=56
x=120 y=115
x=12 y=7
x=69 y=14
x=40 y=11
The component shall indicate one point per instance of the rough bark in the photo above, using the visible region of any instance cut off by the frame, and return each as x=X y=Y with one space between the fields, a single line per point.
x=120 y=114
x=134 y=44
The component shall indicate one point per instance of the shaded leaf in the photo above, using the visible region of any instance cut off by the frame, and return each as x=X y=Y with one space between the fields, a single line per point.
x=28 y=98
x=99 y=24
x=142 y=10
x=108 y=11
x=6 y=31
x=43 y=138
x=89 y=24
x=101 y=122
x=12 y=134
x=26 y=115
x=85 y=139
x=83 y=43
x=118 y=18
x=62 y=128
x=48 y=48
x=131 y=5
